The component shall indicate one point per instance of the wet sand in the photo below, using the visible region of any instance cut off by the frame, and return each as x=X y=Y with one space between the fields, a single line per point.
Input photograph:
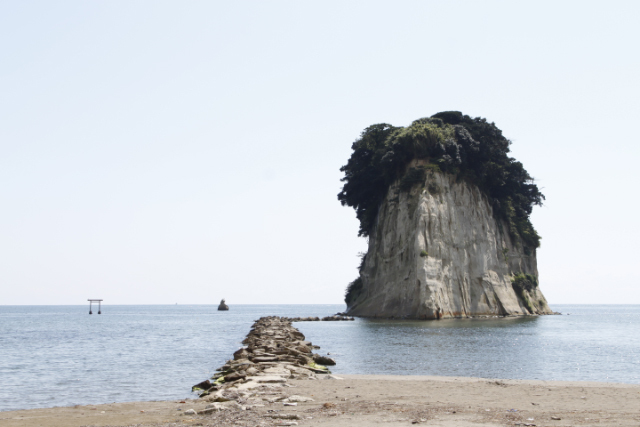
x=383 y=400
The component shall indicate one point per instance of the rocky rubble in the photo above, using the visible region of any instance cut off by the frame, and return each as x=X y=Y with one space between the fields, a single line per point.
x=274 y=351
x=335 y=317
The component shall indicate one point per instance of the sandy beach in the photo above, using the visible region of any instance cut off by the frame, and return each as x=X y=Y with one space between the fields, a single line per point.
x=363 y=400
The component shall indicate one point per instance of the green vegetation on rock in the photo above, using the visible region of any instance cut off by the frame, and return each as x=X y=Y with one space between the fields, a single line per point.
x=524 y=282
x=505 y=255
x=318 y=366
x=471 y=148
x=353 y=290
x=412 y=177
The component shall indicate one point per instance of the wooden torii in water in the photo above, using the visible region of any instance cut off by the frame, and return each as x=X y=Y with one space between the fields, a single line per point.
x=91 y=301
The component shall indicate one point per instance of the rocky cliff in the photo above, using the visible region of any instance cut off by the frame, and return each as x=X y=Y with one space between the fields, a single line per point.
x=437 y=250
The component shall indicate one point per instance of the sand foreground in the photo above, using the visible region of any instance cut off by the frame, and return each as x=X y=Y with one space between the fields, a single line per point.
x=384 y=400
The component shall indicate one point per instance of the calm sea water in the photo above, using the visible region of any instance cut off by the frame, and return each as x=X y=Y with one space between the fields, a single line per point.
x=59 y=355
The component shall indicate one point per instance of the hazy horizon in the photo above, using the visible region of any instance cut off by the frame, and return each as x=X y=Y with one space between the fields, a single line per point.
x=216 y=304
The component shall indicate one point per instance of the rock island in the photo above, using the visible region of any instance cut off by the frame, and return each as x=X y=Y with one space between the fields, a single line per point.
x=446 y=213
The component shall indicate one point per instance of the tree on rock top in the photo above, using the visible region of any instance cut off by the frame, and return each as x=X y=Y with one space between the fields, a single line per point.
x=451 y=142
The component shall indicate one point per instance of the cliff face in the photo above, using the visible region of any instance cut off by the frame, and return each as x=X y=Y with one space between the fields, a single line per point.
x=438 y=251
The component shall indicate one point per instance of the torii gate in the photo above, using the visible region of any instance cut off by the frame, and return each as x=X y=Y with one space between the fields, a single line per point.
x=91 y=301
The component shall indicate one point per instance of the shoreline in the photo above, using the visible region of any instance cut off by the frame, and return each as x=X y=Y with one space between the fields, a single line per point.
x=361 y=400
x=389 y=377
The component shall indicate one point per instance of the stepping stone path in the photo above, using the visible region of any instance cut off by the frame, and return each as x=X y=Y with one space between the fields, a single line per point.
x=274 y=351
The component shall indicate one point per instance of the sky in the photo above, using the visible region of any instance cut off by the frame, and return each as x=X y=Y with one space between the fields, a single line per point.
x=157 y=152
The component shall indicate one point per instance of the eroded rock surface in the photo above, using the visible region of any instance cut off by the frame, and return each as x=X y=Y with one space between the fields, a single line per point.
x=439 y=251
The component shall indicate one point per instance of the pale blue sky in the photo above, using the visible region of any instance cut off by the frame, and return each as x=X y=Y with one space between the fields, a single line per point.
x=163 y=152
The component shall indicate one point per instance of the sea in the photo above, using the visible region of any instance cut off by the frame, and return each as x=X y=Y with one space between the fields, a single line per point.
x=62 y=356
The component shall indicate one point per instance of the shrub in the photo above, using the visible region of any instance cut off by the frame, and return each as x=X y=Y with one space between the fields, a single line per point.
x=433 y=188
x=431 y=167
x=353 y=290
x=363 y=257
x=524 y=282
x=451 y=142
x=412 y=177
x=424 y=253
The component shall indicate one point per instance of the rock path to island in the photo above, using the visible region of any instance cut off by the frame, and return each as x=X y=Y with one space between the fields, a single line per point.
x=274 y=352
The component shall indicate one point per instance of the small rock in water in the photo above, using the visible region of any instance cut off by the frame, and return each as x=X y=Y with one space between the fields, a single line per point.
x=223 y=306
x=204 y=385
x=323 y=360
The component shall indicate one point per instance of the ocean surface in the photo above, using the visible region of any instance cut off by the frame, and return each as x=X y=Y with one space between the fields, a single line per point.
x=61 y=356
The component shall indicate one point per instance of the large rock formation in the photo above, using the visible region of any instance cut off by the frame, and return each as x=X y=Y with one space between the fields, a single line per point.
x=437 y=251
